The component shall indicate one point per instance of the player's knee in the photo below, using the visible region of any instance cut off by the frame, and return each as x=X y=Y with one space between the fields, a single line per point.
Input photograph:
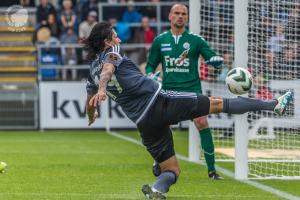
x=170 y=164
x=216 y=98
x=201 y=123
x=216 y=105
x=175 y=169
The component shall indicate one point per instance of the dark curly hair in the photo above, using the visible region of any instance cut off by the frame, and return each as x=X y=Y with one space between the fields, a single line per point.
x=94 y=44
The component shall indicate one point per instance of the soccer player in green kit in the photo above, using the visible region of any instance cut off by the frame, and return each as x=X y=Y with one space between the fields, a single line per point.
x=178 y=51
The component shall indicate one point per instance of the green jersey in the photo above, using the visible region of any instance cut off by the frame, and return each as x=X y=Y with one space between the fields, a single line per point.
x=179 y=57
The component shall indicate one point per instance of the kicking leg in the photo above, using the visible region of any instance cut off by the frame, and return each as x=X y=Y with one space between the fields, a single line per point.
x=242 y=105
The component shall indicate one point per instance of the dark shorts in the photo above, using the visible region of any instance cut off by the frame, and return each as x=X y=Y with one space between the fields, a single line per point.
x=169 y=108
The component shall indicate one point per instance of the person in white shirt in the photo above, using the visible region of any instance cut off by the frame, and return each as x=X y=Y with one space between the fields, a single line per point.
x=86 y=26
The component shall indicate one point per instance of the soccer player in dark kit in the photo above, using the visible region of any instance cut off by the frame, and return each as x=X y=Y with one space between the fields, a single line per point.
x=152 y=109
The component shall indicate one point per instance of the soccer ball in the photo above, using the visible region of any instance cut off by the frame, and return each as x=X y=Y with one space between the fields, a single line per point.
x=239 y=81
x=2 y=167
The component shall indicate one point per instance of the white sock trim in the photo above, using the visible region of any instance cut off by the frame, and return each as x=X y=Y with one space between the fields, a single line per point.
x=155 y=190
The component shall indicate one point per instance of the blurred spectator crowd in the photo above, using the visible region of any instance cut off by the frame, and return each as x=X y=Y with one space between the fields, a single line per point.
x=273 y=38
x=274 y=44
x=68 y=21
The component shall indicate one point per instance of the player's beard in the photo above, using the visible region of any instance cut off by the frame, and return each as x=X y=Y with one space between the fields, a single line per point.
x=179 y=26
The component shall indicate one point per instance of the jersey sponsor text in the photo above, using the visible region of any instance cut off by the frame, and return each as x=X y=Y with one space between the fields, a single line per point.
x=169 y=61
x=176 y=69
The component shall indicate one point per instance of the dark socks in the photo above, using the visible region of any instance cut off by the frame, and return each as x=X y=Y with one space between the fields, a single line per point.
x=242 y=105
x=164 y=181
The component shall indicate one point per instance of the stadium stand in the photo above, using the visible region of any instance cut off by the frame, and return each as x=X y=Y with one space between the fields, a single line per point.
x=18 y=73
x=17 y=53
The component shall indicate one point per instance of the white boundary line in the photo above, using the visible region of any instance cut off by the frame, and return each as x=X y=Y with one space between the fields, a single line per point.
x=63 y=195
x=224 y=171
x=118 y=196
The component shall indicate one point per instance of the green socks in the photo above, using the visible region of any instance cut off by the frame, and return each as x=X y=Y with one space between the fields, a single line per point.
x=208 y=148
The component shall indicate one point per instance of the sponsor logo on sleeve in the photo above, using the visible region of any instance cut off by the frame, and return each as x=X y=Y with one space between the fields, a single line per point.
x=166 y=47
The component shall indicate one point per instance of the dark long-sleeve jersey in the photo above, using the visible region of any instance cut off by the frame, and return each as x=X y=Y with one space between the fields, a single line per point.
x=128 y=87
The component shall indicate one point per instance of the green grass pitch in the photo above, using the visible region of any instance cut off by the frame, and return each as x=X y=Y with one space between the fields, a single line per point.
x=75 y=165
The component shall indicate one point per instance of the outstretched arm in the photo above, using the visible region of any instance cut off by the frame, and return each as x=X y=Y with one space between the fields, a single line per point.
x=91 y=89
x=90 y=111
x=105 y=76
